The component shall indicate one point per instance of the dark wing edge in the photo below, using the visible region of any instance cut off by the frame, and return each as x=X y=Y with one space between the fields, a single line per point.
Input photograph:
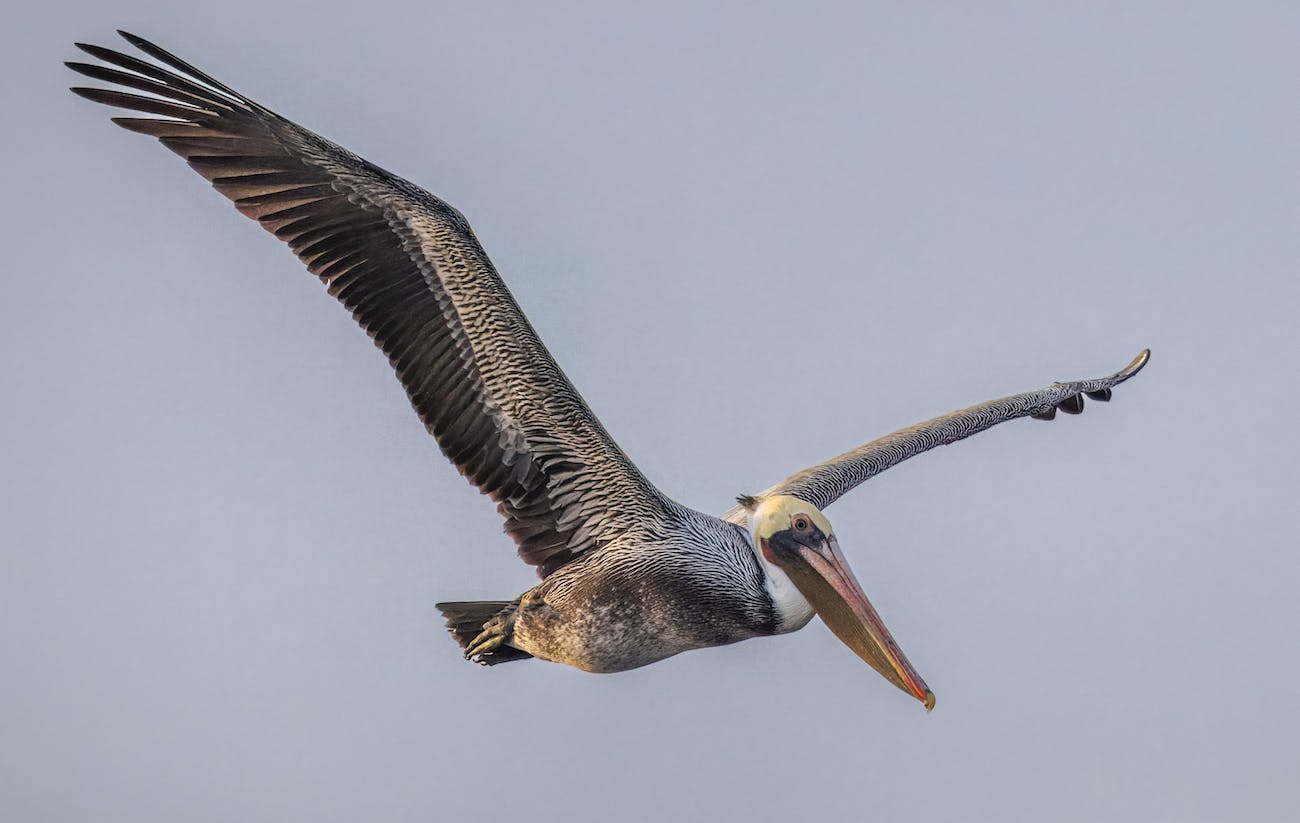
x=408 y=267
x=825 y=483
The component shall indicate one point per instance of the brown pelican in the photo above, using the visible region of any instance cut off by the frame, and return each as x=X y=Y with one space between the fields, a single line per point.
x=628 y=576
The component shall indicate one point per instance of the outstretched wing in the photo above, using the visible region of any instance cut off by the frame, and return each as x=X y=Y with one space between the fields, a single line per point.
x=409 y=268
x=825 y=483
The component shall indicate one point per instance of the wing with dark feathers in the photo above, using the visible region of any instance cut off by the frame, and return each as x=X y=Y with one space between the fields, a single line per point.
x=409 y=268
x=825 y=483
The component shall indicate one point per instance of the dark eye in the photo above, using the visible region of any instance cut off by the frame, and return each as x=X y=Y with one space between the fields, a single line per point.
x=801 y=524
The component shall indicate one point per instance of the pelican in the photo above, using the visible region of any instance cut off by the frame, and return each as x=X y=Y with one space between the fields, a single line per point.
x=628 y=575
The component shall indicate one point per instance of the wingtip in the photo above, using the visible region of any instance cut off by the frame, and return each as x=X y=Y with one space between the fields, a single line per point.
x=1136 y=366
x=85 y=69
x=97 y=52
x=135 y=40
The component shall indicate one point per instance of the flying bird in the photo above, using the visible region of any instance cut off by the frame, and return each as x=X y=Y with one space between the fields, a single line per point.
x=628 y=575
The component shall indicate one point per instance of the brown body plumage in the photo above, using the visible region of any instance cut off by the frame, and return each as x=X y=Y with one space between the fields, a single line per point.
x=628 y=575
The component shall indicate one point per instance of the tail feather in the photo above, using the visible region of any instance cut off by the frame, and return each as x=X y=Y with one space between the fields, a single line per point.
x=467 y=621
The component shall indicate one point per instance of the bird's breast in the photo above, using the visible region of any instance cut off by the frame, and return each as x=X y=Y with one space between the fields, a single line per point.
x=613 y=616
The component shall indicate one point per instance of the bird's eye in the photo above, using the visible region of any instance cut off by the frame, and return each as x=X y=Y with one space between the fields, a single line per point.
x=801 y=524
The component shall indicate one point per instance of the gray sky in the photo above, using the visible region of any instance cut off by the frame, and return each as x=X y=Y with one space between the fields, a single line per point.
x=224 y=529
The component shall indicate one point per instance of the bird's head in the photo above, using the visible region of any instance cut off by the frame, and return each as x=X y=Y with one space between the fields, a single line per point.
x=796 y=541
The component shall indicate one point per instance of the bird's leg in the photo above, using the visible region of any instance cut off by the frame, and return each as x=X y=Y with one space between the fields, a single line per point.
x=494 y=635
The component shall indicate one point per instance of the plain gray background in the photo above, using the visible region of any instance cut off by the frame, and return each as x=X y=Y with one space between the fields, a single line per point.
x=224 y=529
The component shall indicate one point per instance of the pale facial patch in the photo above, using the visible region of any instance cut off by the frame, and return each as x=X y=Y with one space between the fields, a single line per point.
x=773 y=515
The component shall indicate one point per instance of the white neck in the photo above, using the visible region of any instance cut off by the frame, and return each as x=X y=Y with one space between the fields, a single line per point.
x=792 y=610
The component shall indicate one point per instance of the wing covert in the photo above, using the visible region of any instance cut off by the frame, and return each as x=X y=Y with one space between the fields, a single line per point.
x=409 y=268
x=823 y=484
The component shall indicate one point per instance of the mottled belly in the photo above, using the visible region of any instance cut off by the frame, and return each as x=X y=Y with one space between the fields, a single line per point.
x=613 y=628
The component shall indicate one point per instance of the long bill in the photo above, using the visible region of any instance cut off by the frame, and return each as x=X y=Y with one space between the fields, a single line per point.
x=825 y=580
